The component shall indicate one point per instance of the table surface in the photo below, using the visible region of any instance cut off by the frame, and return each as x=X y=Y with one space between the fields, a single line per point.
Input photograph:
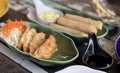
x=9 y=66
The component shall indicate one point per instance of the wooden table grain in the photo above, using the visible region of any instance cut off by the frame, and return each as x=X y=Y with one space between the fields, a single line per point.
x=9 y=66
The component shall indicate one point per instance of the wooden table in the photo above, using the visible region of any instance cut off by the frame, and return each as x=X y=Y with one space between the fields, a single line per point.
x=9 y=66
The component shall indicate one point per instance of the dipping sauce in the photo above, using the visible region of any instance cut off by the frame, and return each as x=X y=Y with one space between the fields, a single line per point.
x=49 y=16
x=99 y=61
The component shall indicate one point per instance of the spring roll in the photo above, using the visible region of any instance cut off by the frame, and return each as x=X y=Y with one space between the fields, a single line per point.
x=68 y=30
x=97 y=24
x=76 y=25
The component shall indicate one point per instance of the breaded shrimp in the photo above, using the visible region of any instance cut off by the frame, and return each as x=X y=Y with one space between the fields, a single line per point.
x=36 y=42
x=47 y=49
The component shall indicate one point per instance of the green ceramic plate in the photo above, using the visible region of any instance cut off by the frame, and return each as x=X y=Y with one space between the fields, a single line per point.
x=100 y=34
x=67 y=51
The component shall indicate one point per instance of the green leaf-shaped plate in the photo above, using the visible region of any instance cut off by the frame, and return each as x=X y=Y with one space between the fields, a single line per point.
x=67 y=51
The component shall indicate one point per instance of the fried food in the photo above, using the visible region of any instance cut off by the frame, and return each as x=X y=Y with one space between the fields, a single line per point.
x=29 y=36
x=97 y=24
x=69 y=30
x=76 y=25
x=47 y=49
x=20 y=44
x=20 y=35
x=36 y=42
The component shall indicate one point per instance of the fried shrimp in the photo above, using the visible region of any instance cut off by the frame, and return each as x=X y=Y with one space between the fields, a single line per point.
x=27 y=39
x=47 y=49
x=36 y=42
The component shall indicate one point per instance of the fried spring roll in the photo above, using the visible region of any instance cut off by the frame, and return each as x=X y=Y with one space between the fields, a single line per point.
x=76 y=25
x=68 y=30
x=28 y=39
x=38 y=39
x=97 y=24
x=47 y=49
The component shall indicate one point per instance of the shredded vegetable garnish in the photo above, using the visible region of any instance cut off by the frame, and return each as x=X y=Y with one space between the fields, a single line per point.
x=10 y=25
